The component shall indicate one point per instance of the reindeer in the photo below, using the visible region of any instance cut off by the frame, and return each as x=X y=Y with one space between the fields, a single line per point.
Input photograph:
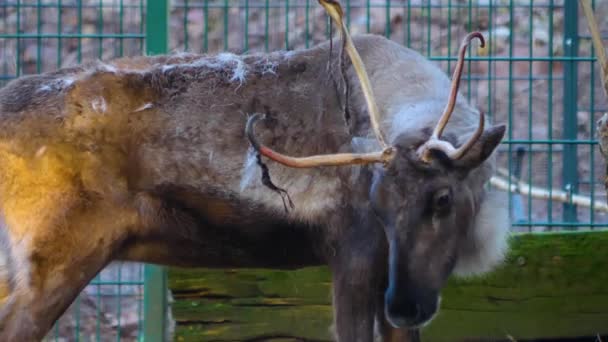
x=156 y=159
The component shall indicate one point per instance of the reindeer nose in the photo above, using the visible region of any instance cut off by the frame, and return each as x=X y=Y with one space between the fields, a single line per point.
x=409 y=309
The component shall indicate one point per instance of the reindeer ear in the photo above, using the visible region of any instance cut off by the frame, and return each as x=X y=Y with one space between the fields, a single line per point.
x=482 y=149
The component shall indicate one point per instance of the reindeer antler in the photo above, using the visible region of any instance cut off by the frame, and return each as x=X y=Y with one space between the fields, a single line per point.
x=434 y=143
x=334 y=10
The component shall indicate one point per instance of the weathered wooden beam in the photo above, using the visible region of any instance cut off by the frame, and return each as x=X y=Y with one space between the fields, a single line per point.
x=552 y=285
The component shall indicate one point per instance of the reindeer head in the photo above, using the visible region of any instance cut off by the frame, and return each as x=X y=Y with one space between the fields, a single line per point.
x=421 y=194
x=427 y=208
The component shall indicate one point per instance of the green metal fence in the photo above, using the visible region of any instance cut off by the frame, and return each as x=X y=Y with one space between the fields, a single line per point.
x=537 y=74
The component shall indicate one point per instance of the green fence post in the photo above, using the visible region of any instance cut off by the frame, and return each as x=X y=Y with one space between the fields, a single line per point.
x=157 y=26
x=570 y=161
x=155 y=303
x=155 y=277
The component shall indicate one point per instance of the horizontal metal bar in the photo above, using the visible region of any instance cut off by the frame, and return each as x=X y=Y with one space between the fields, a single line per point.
x=261 y=4
x=587 y=36
x=517 y=59
x=71 y=35
x=595 y=109
x=5 y=5
x=116 y=282
x=480 y=77
x=586 y=182
x=477 y=77
x=558 y=224
x=531 y=148
x=550 y=142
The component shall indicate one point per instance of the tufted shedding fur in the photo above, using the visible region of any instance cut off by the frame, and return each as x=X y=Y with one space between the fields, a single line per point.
x=486 y=247
x=146 y=159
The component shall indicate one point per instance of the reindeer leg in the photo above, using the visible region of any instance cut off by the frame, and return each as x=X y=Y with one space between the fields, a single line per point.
x=355 y=270
x=353 y=302
x=52 y=264
x=35 y=303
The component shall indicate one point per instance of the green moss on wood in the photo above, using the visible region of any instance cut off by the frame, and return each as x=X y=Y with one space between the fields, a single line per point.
x=551 y=285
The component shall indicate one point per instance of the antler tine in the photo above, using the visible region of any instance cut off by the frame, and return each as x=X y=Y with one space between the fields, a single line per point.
x=314 y=161
x=448 y=149
x=385 y=156
x=458 y=153
x=434 y=142
x=449 y=108
x=334 y=10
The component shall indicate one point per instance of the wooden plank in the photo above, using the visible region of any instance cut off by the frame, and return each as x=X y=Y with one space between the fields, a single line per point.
x=551 y=285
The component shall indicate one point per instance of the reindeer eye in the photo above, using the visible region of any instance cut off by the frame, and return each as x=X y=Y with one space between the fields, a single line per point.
x=442 y=200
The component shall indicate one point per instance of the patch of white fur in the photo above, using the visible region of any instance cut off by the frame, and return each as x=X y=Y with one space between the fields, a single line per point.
x=240 y=69
x=221 y=61
x=21 y=265
x=289 y=54
x=250 y=171
x=4 y=267
x=40 y=152
x=412 y=116
x=56 y=85
x=108 y=68
x=99 y=105
x=487 y=242
x=45 y=87
x=268 y=67
x=312 y=200
x=309 y=189
x=166 y=68
x=143 y=107
x=365 y=145
x=66 y=82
